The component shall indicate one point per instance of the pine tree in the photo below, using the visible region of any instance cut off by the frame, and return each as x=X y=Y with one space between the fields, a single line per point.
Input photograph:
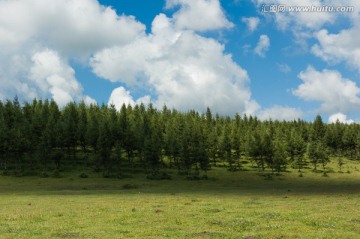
x=312 y=154
x=92 y=132
x=349 y=141
x=333 y=137
x=82 y=125
x=3 y=139
x=267 y=150
x=153 y=145
x=69 y=127
x=236 y=142
x=225 y=147
x=280 y=155
x=317 y=152
x=318 y=129
x=254 y=149
x=172 y=142
x=296 y=148
x=323 y=155
x=104 y=147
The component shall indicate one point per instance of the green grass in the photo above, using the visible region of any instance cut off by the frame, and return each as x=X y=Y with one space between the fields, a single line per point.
x=228 y=205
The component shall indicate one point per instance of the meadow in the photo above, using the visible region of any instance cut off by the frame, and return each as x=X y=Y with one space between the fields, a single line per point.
x=240 y=204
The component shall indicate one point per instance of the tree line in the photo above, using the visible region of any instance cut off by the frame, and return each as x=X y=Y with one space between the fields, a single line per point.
x=39 y=137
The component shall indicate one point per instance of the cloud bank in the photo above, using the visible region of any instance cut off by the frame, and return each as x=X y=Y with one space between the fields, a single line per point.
x=336 y=93
x=38 y=39
x=280 y=113
x=183 y=68
x=340 y=117
x=178 y=66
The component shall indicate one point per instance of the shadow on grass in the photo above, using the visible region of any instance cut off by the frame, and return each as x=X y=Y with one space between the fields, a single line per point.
x=219 y=182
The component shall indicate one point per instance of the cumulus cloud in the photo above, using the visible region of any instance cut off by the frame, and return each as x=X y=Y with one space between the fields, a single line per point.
x=328 y=87
x=51 y=74
x=251 y=23
x=72 y=27
x=280 y=113
x=121 y=96
x=335 y=48
x=184 y=69
x=200 y=15
x=88 y=100
x=39 y=38
x=178 y=66
x=262 y=46
x=343 y=45
x=342 y=118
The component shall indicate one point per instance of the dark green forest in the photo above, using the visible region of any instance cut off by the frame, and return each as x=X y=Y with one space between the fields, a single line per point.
x=40 y=138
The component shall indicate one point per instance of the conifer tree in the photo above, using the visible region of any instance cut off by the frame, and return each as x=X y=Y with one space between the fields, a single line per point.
x=296 y=148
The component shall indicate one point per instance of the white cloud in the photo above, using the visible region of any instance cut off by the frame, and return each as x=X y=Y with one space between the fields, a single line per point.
x=38 y=38
x=121 y=96
x=280 y=113
x=199 y=15
x=341 y=118
x=344 y=46
x=182 y=69
x=71 y=27
x=328 y=87
x=185 y=70
x=51 y=74
x=262 y=46
x=89 y=101
x=284 y=68
x=251 y=22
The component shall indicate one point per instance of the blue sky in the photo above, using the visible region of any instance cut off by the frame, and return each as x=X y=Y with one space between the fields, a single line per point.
x=187 y=54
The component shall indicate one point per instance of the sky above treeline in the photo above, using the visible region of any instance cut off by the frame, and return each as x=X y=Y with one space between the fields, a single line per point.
x=279 y=59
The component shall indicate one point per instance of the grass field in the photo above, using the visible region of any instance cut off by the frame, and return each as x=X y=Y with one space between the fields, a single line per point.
x=228 y=205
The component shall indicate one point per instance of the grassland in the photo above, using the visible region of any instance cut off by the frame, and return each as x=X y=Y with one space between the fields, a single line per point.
x=228 y=205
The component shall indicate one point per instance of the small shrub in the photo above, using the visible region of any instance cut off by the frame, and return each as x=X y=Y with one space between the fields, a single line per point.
x=44 y=174
x=330 y=170
x=106 y=174
x=162 y=176
x=233 y=169
x=83 y=175
x=5 y=173
x=268 y=176
x=130 y=186
x=123 y=176
x=97 y=169
x=193 y=177
x=56 y=174
x=19 y=174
